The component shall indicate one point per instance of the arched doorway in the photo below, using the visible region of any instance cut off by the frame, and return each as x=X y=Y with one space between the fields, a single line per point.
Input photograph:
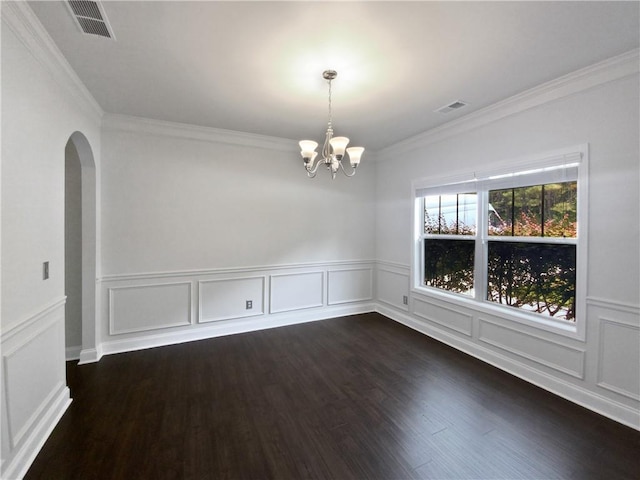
x=80 y=249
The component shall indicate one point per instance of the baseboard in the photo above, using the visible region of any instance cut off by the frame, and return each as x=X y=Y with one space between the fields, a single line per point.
x=18 y=465
x=219 y=329
x=576 y=394
x=89 y=355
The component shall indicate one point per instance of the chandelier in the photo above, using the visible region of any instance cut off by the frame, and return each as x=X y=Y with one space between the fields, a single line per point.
x=333 y=148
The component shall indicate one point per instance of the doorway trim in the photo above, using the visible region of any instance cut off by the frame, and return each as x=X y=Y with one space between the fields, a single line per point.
x=89 y=352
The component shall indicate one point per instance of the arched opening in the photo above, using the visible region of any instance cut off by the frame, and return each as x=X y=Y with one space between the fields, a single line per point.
x=72 y=251
x=80 y=249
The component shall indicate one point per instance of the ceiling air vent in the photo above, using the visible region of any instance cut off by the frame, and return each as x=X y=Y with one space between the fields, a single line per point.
x=91 y=18
x=458 y=104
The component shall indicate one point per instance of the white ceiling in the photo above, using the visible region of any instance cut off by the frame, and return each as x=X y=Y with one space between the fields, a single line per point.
x=256 y=66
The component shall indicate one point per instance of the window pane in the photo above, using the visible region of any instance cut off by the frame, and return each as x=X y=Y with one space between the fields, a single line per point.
x=451 y=214
x=448 y=264
x=560 y=209
x=501 y=212
x=537 y=277
x=537 y=211
x=527 y=209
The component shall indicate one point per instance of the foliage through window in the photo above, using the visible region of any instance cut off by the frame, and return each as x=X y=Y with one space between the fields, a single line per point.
x=512 y=240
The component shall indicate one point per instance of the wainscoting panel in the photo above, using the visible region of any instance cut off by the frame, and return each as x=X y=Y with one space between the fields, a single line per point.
x=226 y=299
x=349 y=285
x=619 y=356
x=34 y=391
x=139 y=308
x=31 y=360
x=453 y=318
x=145 y=310
x=555 y=355
x=296 y=291
x=392 y=285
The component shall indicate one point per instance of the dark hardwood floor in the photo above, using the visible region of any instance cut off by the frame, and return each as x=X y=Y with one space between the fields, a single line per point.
x=354 y=397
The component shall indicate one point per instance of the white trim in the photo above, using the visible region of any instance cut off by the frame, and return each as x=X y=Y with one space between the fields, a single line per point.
x=140 y=125
x=19 y=17
x=90 y=355
x=384 y=265
x=20 y=326
x=232 y=270
x=26 y=453
x=223 y=328
x=592 y=76
x=46 y=324
x=614 y=305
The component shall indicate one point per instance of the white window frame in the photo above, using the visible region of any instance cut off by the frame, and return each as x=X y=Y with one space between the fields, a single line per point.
x=539 y=167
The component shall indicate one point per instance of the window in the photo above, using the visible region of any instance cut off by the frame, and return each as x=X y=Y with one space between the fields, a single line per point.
x=507 y=238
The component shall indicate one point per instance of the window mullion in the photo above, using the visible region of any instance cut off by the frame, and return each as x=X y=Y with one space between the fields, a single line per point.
x=480 y=264
x=420 y=243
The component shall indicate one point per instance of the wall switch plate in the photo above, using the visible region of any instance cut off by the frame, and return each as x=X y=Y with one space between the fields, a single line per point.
x=249 y=304
x=45 y=270
x=405 y=300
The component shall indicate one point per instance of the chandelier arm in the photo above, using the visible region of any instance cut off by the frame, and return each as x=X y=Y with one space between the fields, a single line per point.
x=314 y=167
x=353 y=171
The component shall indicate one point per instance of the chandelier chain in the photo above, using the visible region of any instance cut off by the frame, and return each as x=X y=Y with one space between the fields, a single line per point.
x=330 y=118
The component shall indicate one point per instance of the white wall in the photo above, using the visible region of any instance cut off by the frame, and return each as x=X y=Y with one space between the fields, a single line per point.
x=172 y=203
x=42 y=105
x=601 y=372
x=198 y=221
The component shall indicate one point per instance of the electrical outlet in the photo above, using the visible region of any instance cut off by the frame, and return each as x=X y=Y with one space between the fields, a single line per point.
x=405 y=300
x=249 y=304
x=45 y=270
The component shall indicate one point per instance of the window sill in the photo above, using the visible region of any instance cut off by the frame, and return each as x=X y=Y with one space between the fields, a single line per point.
x=532 y=320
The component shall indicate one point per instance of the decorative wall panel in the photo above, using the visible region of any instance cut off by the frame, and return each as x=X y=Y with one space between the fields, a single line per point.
x=34 y=360
x=392 y=286
x=352 y=285
x=552 y=354
x=226 y=299
x=139 y=308
x=619 y=357
x=453 y=318
x=296 y=291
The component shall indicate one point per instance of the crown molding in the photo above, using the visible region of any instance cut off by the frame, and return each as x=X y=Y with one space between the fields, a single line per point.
x=18 y=16
x=127 y=123
x=600 y=73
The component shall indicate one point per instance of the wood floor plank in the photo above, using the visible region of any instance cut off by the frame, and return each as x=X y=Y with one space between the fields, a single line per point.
x=348 y=398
